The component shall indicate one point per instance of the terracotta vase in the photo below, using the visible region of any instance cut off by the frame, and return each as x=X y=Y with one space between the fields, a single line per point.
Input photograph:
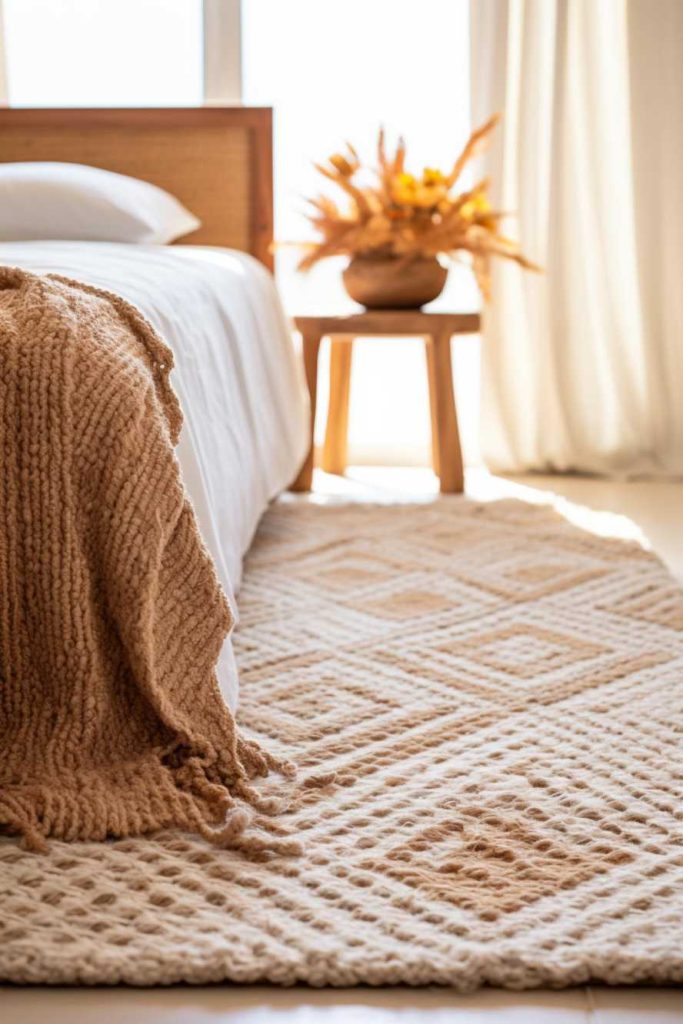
x=393 y=282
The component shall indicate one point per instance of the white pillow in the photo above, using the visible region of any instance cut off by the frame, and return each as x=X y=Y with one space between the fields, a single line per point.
x=75 y=202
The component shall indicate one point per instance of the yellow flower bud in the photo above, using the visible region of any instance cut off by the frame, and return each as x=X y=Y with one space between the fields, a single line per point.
x=432 y=176
x=341 y=164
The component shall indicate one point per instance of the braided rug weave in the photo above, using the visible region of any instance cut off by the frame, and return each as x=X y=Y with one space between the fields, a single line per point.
x=499 y=695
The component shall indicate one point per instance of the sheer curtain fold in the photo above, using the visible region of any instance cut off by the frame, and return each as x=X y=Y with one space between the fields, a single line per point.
x=578 y=362
x=3 y=60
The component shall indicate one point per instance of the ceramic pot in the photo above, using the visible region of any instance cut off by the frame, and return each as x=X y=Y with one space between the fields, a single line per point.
x=393 y=282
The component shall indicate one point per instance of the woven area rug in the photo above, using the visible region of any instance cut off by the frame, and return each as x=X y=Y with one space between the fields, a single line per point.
x=500 y=697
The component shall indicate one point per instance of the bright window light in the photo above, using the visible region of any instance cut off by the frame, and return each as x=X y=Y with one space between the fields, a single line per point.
x=336 y=70
x=91 y=53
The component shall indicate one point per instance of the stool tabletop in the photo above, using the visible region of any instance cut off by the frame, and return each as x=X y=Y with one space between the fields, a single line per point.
x=390 y=322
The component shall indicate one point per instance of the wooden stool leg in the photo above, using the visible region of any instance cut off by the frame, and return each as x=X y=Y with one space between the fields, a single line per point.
x=336 y=432
x=311 y=343
x=443 y=412
x=431 y=380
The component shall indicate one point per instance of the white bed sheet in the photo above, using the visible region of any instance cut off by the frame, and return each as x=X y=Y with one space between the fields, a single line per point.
x=239 y=383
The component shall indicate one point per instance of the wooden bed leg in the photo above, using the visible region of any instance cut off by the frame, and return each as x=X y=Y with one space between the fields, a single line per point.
x=311 y=349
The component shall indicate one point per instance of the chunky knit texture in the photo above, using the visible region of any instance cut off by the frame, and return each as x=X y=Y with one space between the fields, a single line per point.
x=111 y=616
x=499 y=697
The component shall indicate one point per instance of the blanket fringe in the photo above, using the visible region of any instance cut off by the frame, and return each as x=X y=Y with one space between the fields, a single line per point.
x=206 y=793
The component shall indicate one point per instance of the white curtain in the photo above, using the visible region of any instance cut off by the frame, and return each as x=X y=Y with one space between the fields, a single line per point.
x=3 y=60
x=583 y=366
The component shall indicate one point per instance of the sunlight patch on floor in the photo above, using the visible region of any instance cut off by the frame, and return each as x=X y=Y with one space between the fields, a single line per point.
x=486 y=487
x=405 y=484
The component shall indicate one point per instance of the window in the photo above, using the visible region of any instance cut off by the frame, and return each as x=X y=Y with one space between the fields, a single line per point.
x=336 y=70
x=67 y=53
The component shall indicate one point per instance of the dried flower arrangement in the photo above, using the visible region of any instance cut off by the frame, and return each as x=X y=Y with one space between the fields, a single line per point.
x=408 y=217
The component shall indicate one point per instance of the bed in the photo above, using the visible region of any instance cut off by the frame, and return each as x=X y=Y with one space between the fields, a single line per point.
x=212 y=298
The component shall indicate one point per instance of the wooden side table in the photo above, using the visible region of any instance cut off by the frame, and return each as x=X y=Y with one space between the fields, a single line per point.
x=437 y=330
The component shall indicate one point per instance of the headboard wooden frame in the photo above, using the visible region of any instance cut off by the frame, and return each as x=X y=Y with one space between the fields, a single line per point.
x=217 y=160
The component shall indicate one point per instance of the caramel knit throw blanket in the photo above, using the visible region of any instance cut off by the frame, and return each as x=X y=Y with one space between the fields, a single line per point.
x=111 y=615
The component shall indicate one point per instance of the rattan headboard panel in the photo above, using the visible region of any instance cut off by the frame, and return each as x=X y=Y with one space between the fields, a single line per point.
x=216 y=160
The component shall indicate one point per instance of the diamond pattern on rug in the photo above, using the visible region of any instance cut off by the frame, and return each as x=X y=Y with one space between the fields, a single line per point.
x=544 y=574
x=657 y=603
x=485 y=704
x=525 y=651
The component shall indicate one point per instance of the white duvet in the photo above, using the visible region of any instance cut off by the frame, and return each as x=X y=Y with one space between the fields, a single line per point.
x=236 y=376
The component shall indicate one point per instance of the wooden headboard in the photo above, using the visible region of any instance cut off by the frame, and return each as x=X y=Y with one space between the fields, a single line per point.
x=217 y=160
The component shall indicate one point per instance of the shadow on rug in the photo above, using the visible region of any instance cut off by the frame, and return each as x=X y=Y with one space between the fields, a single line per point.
x=499 y=696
